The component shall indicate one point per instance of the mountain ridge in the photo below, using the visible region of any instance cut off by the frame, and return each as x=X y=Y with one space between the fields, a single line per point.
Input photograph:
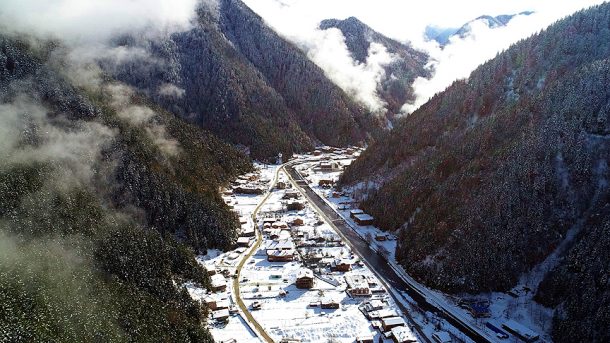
x=104 y=201
x=395 y=88
x=442 y=35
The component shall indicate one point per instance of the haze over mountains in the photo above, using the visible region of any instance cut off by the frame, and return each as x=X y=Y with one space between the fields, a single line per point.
x=443 y=34
x=404 y=65
x=104 y=199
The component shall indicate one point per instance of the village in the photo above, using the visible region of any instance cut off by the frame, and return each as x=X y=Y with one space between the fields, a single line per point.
x=293 y=278
x=293 y=274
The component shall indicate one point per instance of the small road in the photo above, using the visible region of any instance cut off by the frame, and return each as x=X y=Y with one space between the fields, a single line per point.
x=378 y=264
x=256 y=327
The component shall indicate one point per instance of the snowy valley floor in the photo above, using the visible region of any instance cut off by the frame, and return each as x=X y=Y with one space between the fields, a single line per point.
x=289 y=313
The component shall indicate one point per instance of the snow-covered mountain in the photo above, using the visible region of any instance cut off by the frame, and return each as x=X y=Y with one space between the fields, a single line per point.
x=443 y=34
x=395 y=84
x=505 y=170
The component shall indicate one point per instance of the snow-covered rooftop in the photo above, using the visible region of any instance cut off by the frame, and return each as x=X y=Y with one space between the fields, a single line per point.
x=305 y=272
x=402 y=334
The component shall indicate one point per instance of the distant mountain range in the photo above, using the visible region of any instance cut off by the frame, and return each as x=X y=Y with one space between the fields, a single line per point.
x=395 y=88
x=443 y=34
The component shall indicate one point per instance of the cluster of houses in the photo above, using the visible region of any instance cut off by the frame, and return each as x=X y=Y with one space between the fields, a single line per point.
x=247 y=235
x=220 y=307
x=218 y=302
x=218 y=283
x=314 y=258
x=328 y=166
x=250 y=183
x=326 y=304
x=478 y=308
x=306 y=280
x=387 y=321
x=303 y=236
x=357 y=285
x=361 y=218
x=280 y=251
x=338 y=151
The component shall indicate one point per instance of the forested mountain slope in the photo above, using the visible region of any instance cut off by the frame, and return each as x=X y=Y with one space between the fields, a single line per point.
x=490 y=176
x=103 y=201
x=395 y=87
x=234 y=75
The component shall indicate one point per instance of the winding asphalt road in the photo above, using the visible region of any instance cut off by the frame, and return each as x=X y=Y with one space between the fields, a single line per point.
x=378 y=263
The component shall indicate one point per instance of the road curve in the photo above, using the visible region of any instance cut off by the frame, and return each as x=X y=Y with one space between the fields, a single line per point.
x=257 y=327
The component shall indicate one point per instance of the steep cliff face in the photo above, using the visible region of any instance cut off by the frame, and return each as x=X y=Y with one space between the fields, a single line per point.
x=103 y=200
x=395 y=87
x=237 y=77
x=489 y=177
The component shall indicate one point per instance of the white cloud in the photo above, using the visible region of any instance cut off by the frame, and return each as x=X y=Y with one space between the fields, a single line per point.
x=76 y=147
x=140 y=116
x=86 y=26
x=328 y=50
x=171 y=90
x=78 y=20
x=94 y=21
x=406 y=21
x=401 y=20
x=462 y=55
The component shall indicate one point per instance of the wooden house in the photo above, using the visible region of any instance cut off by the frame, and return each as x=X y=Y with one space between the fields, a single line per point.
x=391 y=322
x=305 y=278
x=280 y=255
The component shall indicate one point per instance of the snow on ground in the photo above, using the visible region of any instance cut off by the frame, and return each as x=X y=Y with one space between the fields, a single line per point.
x=518 y=306
x=285 y=310
x=291 y=315
x=236 y=325
x=244 y=204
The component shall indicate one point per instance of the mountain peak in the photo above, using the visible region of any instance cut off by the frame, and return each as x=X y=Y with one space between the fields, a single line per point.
x=407 y=63
x=443 y=34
